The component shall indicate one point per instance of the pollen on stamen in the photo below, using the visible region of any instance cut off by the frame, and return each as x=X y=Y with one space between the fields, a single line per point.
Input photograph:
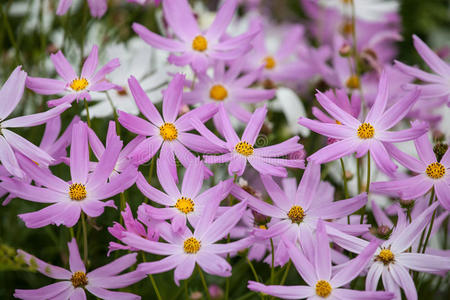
x=77 y=191
x=385 y=256
x=269 y=62
x=296 y=214
x=218 y=92
x=79 y=84
x=191 y=245
x=79 y=279
x=199 y=43
x=323 y=288
x=168 y=131
x=185 y=205
x=365 y=131
x=353 y=82
x=435 y=170
x=244 y=148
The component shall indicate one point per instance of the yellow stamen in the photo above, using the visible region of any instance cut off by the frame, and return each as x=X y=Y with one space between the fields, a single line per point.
x=199 y=43
x=435 y=170
x=353 y=82
x=323 y=288
x=168 y=131
x=296 y=214
x=269 y=62
x=185 y=205
x=191 y=245
x=366 y=131
x=218 y=92
x=386 y=256
x=79 y=279
x=77 y=191
x=79 y=84
x=244 y=148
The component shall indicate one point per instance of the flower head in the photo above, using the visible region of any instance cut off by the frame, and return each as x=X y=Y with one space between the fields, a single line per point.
x=97 y=7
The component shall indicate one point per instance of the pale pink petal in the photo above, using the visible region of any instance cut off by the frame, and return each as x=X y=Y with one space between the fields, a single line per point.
x=277 y=195
x=45 y=292
x=301 y=263
x=373 y=276
x=432 y=59
x=336 y=112
x=152 y=193
x=284 y=292
x=328 y=129
x=425 y=149
x=97 y=7
x=90 y=64
x=79 y=154
x=111 y=295
x=45 y=86
x=76 y=264
x=222 y=20
x=184 y=269
x=380 y=102
x=144 y=104
x=136 y=124
x=156 y=40
x=150 y=246
x=348 y=294
x=381 y=158
x=36 y=119
x=43 y=267
x=423 y=262
x=213 y=264
x=254 y=125
x=237 y=165
x=162 y=265
x=322 y=253
x=341 y=208
x=404 y=280
x=63 y=66
x=8 y=159
x=307 y=188
x=442 y=189
x=181 y=19
x=78 y=294
x=63 y=7
x=146 y=150
x=11 y=92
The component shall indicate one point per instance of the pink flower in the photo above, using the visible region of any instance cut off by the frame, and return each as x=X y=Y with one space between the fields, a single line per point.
x=317 y=273
x=370 y=135
x=97 y=7
x=76 y=281
x=10 y=95
x=74 y=87
x=238 y=152
x=195 y=47
x=84 y=192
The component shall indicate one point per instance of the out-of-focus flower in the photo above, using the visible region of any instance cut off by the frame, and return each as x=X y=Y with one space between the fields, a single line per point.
x=74 y=87
x=10 y=95
x=75 y=281
x=368 y=136
x=145 y=2
x=369 y=10
x=96 y=7
x=265 y=160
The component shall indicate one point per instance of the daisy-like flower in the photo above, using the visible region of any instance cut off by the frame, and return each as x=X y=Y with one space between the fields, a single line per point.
x=10 y=95
x=227 y=88
x=167 y=132
x=391 y=260
x=370 y=135
x=185 y=205
x=195 y=47
x=265 y=160
x=187 y=249
x=437 y=85
x=76 y=281
x=295 y=210
x=317 y=273
x=96 y=7
x=84 y=192
x=431 y=173
x=74 y=87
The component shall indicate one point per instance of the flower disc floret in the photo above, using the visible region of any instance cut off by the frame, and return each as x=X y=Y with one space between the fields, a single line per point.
x=191 y=245
x=79 y=279
x=353 y=82
x=77 y=191
x=79 y=84
x=199 y=43
x=386 y=256
x=435 y=170
x=168 y=131
x=296 y=214
x=323 y=288
x=218 y=92
x=269 y=62
x=244 y=148
x=185 y=205
x=366 y=131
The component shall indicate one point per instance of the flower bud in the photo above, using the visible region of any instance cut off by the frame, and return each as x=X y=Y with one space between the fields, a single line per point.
x=439 y=150
x=345 y=50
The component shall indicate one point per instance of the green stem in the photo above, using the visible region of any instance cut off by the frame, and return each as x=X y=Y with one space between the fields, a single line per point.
x=11 y=35
x=429 y=231
x=272 y=269
x=205 y=286
x=250 y=264
x=85 y=240
x=152 y=280
x=72 y=235
x=86 y=106
x=367 y=187
x=123 y=200
x=116 y=117
x=286 y=272
x=344 y=178
x=423 y=232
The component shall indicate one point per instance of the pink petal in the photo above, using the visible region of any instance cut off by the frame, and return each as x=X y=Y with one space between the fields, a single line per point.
x=425 y=149
x=307 y=188
x=442 y=189
x=90 y=63
x=46 y=292
x=150 y=246
x=380 y=102
x=424 y=76
x=237 y=165
x=423 y=262
x=36 y=119
x=76 y=264
x=116 y=282
x=79 y=154
x=227 y=129
x=144 y=104
x=78 y=294
x=213 y=264
x=222 y=20
x=348 y=294
x=43 y=267
x=63 y=66
x=136 y=124
x=330 y=130
x=205 y=132
x=277 y=195
x=152 y=193
x=381 y=158
x=12 y=92
x=181 y=19
x=63 y=7
x=257 y=204
x=341 y=208
x=97 y=7
x=172 y=97
x=8 y=159
x=106 y=69
x=432 y=59
x=193 y=179
x=162 y=265
x=156 y=40
x=373 y=276
x=110 y=295
x=337 y=113
x=301 y=263
x=404 y=280
x=322 y=252
x=146 y=150
x=184 y=269
x=284 y=292
x=45 y=86
x=263 y=166
x=254 y=125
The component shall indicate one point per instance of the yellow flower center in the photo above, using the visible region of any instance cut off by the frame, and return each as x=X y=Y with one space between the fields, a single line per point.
x=323 y=288
x=168 y=131
x=77 y=191
x=269 y=62
x=435 y=170
x=244 y=148
x=185 y=205
x=262 y=227
x=296 y=214
x=191 y=245
x=79 y=279
x=199 y=43
x=218 y=92
x=79 y=84
x=386 y=256
x=366 y=131
x=353 y=82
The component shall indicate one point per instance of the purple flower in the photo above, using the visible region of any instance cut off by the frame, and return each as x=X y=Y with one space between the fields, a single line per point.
x=187 y=249
x=167 y=132
x=84 y=192
x=431 y=173
x=10 y=95
x=265 y=160
x=437 y=85
x=187 y=205
x=76 y=281
x=227 y=88
x=317 y=273
x=97 y=7
x=195 y=47
x=370 y=135
x=74 y=87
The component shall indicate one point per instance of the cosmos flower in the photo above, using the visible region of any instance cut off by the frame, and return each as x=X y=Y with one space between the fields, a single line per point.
x=74 y=87
x=168 y=132
x=431 y=173
x=10 y=95
x=187 y=249
x=195 y=47
x=436 y=85
x=317 y=273
x=265 y=160
x=76 y=281
x=368 y=136
x=96 y=7
x=84 y=192
x=185 y=205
